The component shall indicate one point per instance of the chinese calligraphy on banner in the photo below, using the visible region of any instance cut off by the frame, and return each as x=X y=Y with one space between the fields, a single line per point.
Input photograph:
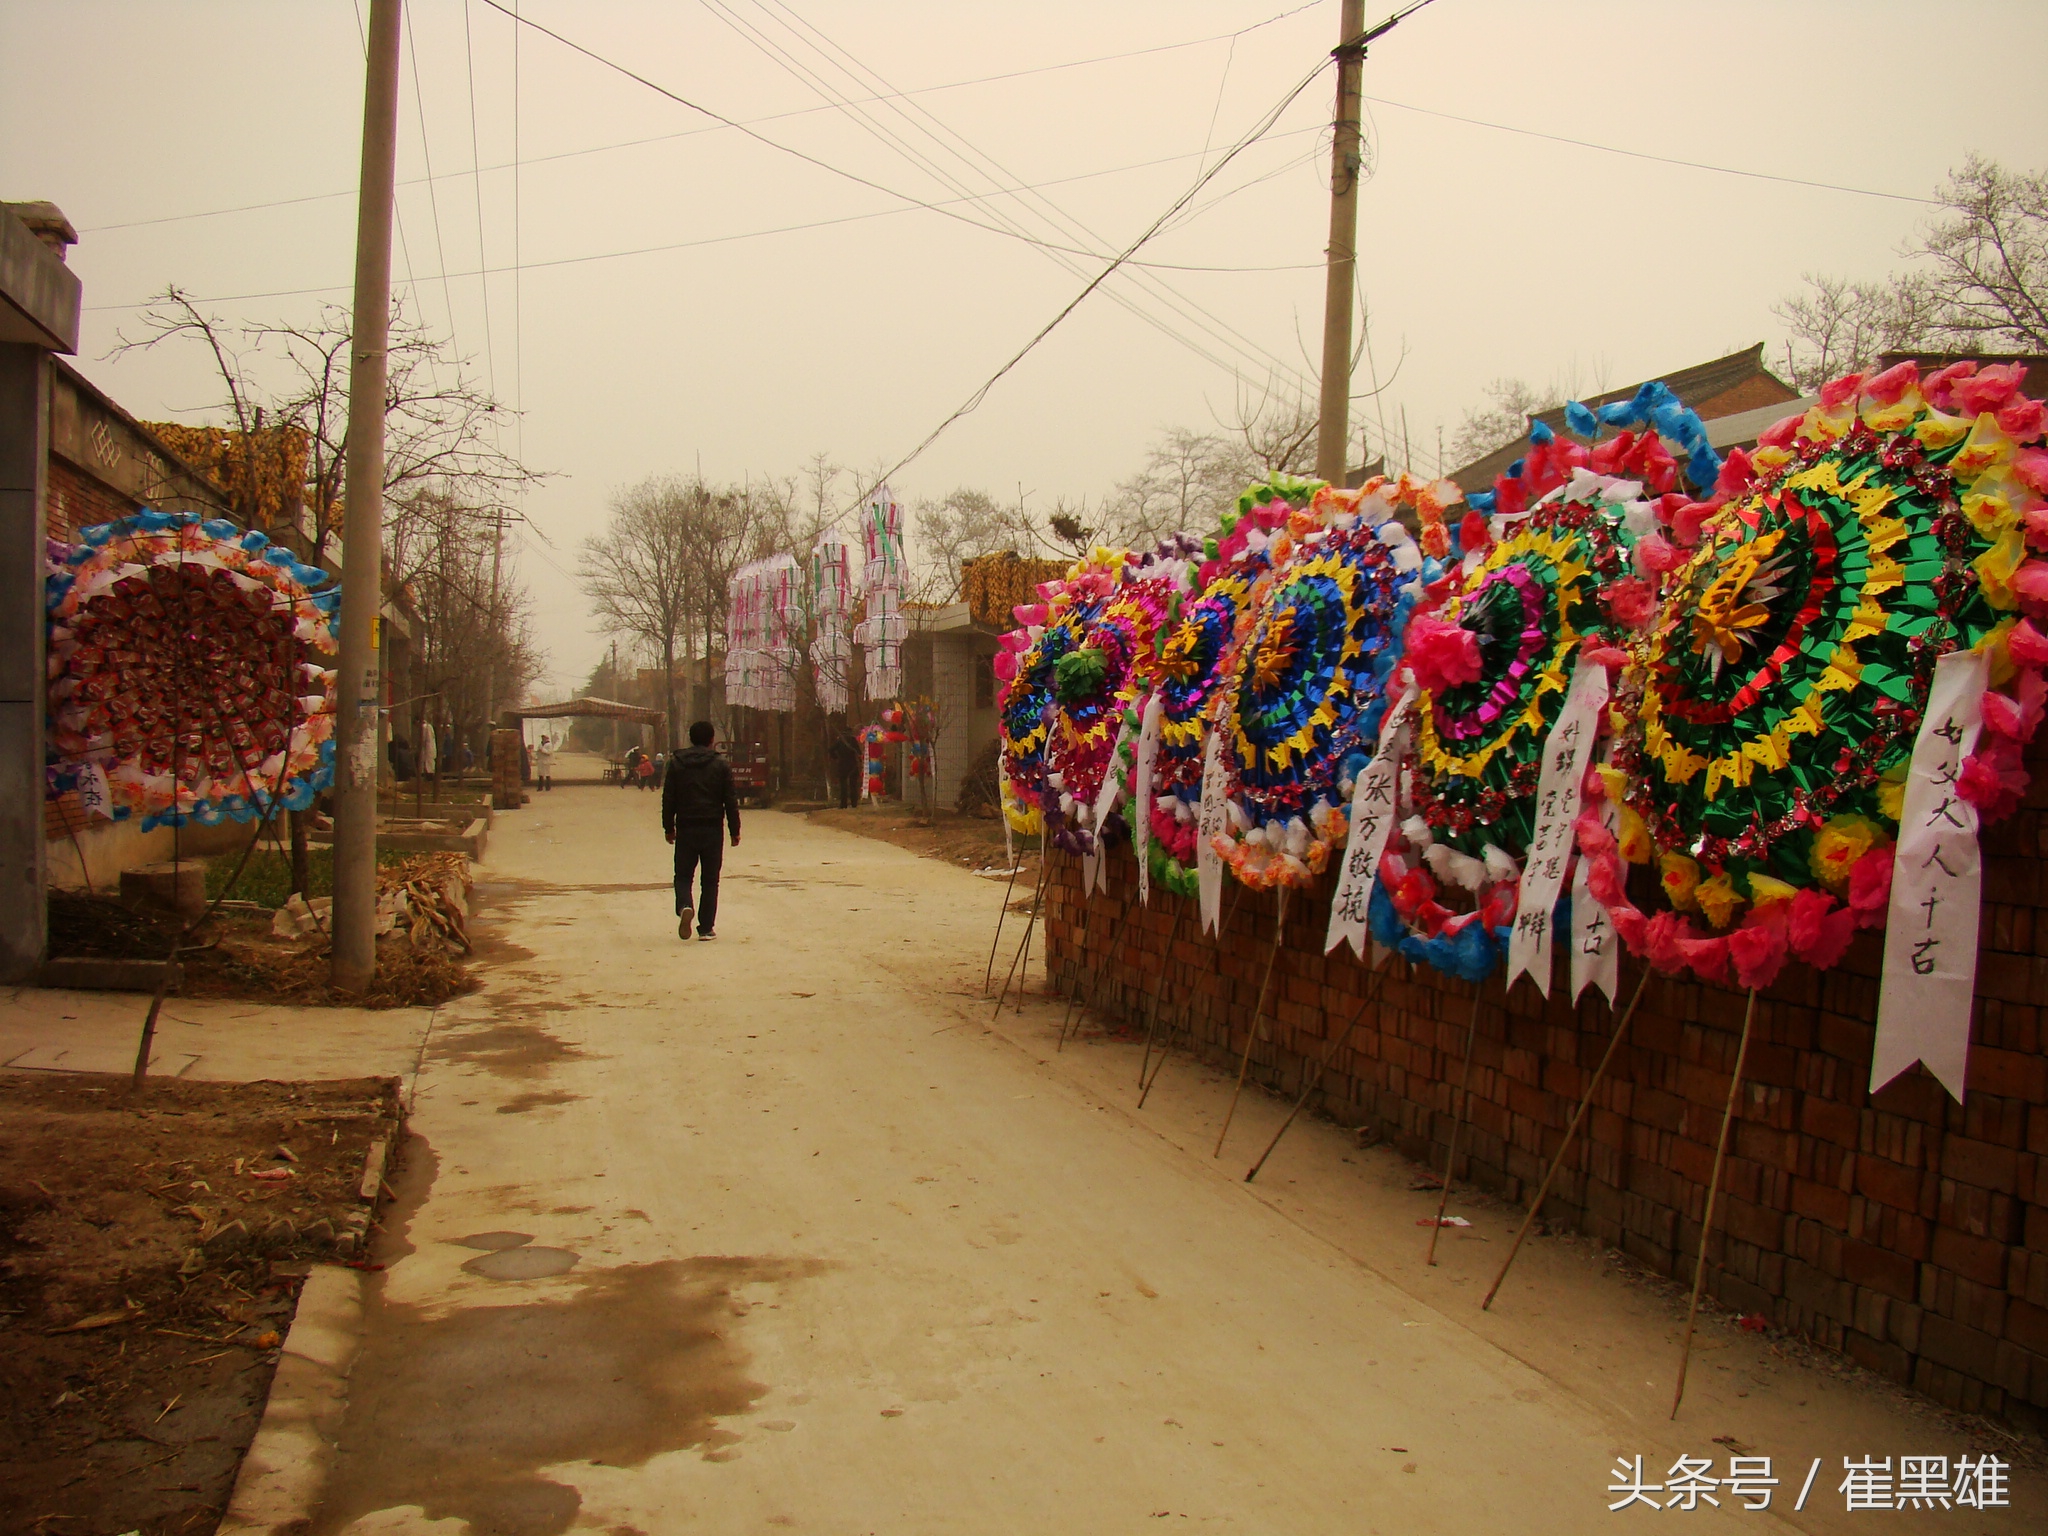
x=1141 y=792
x=1565 y=756
x=1930 y=940
x=1374 y=800
x=1209 y=822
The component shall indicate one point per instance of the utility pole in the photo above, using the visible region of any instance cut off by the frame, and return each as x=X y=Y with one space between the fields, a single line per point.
x=1333 y=424
x=355 y=793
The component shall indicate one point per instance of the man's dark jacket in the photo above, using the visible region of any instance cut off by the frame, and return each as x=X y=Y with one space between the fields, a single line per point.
x=699 y=793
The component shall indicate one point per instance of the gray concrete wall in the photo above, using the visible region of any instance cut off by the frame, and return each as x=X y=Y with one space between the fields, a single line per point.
x=24 y=429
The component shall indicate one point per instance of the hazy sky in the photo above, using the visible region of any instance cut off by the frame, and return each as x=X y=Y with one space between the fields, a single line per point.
x=668 y=314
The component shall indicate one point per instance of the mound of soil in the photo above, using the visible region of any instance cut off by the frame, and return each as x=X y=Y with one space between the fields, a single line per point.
x=151 y=1252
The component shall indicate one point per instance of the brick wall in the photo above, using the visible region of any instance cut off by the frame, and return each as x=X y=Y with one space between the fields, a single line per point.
x=1906 y=1231
x=76 y=500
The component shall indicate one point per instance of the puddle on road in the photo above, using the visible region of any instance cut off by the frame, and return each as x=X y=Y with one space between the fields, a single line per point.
x=458 y=1413
x=524 y=1263
x=491 y=1242
x=509 y=1048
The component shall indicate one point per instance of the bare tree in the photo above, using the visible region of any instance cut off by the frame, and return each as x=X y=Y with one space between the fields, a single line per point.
x=639 y=573
x=440 y=429
x=1977 y=280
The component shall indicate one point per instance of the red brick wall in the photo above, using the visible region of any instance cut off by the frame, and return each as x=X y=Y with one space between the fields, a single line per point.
x=75 y=500
x=1900 y=1228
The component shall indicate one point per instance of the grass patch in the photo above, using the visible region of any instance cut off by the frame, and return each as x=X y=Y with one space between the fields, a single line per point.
x=267 y=880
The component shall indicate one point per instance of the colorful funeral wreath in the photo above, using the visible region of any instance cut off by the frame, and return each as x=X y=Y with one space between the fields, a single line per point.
x=1783 y=686
x=1555 y=574
x=1191 y=650
x=1302 y=681
x=180 y=685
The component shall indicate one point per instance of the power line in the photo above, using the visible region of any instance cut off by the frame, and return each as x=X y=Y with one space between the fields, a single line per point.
x=782 y=229
x=1187 y=310
x=483 y=259
x=1639 y=154
x=689 y=133
x=975 y=399
x=427 y=156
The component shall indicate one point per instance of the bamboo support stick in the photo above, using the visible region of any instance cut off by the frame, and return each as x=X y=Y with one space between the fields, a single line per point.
x=1457 y=1126
x=1037 y=896
x=1311 y=1080
x=1699 y=1266
x=1570 y=1131
x=1187 y=1012
x=1258 y=1012
x=1158 y=995
x=1009 y=891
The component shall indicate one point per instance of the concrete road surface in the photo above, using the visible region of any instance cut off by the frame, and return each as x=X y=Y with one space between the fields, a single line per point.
x=773 y=1233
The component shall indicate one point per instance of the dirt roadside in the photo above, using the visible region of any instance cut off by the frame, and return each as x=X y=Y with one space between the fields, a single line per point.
x=151 y=1254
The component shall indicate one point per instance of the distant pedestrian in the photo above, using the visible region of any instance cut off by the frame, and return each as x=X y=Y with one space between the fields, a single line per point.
x=544 y=763
x=643 y=771
x=399 y=751
x=629 y=767
x=698 y=802
x=846 y=754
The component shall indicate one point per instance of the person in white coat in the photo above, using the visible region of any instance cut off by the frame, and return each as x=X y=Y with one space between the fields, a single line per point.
x=544 y=764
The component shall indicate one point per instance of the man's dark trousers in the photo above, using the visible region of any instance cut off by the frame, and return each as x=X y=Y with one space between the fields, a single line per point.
x=700 y=847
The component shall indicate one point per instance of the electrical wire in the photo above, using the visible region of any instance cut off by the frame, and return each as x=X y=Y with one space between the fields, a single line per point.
x=779 y=229
x=689 y=133
x=1639 y=154
x=981 y=393
x=483 y=259
x=433 y=201
x=981 y=165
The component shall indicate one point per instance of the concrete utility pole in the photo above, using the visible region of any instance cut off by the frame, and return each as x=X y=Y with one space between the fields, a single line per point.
x=1345 y=163
x=362 y=586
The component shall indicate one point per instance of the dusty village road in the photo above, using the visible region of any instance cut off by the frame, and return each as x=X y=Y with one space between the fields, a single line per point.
x=773 y=1233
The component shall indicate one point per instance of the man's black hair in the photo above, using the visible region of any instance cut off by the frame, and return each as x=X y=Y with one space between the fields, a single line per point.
x=701 y=733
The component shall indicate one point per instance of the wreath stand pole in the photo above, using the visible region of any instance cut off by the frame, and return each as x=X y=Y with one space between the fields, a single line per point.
x=1312 y=1080
x=1077 y=1010
x=1571 y=1130
x=1443 y=1198
x=1158 y=996
x=1258 y=1012
x=1037 y=897
x=1699 y=1265
x=1002 y=912
x=1187 y=1022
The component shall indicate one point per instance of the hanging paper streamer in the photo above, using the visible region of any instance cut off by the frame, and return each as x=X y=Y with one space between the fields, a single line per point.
x=1930 y=942
x=831 y=603
x=880 y=634
x=1596 y=947
x=1210 y=822
x=1143 y=768
x=1787 y=680
x=1302 y=686
x=180 y=680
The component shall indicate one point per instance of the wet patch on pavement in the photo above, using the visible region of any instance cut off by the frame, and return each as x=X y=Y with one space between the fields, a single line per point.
x=509 y=1049
x=491 y=1242
x=525 y=1103
x=524 y=1263
x=457 y=1413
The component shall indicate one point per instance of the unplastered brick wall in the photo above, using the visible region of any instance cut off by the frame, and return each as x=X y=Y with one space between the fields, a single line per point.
x=1903 y=1229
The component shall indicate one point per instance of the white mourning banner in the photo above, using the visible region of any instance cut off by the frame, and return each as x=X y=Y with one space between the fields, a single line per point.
x=1141 y=793
x=1596 y=947
x=1566 y=752
x=1374 y=800
x=1930 y=938
x=1209 y=822
x=1097 y=856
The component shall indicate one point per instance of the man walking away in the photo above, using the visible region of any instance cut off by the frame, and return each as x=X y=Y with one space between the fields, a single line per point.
x=846 y=756
x=544 y=763
x=696 y=797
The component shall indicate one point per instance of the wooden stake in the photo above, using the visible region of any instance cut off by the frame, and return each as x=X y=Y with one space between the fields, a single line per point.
x=1557 y=1162
x=1158 y=995
x=1095 y=976
x=156 y=1004
x=1037 y=896
x=1310 y=1081
x=1008 y=891
x=1699 y=1267
x=1187 y=1022
x=1457 y=1126
x=1258 y=1011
